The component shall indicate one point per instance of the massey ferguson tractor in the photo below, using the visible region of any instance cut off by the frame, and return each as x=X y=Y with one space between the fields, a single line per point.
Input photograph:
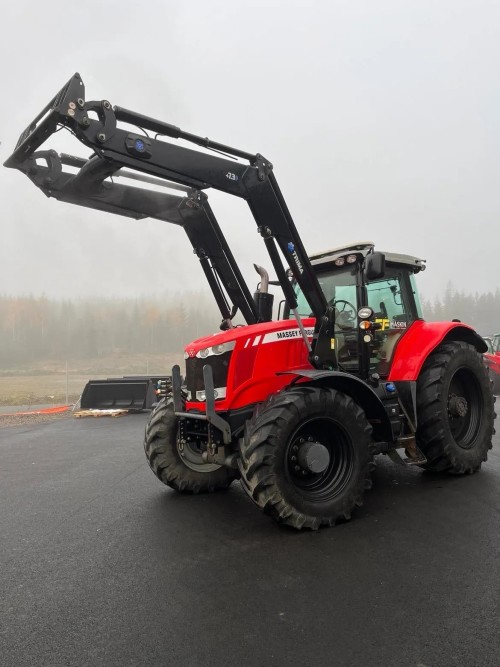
x=295 y=406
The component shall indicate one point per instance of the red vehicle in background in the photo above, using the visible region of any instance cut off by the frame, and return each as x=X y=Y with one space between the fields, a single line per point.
x=492 y=359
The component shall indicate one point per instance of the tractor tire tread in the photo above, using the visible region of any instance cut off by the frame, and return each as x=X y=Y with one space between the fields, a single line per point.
x=161 y=453
x=259 y=444
x=433 y=435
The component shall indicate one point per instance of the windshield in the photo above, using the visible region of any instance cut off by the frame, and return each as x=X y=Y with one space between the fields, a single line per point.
x=339 y=285
x=393 y=300
x=387 y=296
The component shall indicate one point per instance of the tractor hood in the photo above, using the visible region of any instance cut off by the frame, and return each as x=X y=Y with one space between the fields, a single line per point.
x=247 y=362
x=248 y=334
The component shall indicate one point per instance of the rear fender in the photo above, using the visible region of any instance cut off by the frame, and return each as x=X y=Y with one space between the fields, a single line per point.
x=421 y=339
x=361 y=392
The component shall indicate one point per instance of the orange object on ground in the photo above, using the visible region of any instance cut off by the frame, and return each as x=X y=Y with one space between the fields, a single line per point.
x=45 y=411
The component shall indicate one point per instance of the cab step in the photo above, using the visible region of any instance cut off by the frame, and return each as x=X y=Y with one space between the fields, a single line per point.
x=413 y=455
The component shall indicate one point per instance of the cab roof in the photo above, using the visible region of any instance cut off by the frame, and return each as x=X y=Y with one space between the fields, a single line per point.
x=365 y=247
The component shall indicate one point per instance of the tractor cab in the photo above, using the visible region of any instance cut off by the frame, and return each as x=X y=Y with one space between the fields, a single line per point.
x=374 y=306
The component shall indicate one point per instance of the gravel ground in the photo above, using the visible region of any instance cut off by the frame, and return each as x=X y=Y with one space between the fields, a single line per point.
x=22 y=420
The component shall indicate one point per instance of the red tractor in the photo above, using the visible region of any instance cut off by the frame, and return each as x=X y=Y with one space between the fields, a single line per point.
x=492 y=360
x=296 y=407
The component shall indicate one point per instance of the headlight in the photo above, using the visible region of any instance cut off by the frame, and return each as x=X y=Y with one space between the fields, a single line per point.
x=219 y=349
x=365 y=313
x=351 y=259
x=219 y=393
x=340 y=261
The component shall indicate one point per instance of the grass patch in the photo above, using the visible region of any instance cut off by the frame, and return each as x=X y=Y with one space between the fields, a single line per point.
x=48 y=383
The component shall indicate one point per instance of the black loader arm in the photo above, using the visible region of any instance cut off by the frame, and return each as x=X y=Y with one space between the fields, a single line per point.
x=49 y=171
x=117 y=151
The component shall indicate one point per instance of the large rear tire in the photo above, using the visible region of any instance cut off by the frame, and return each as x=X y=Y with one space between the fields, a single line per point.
x=180 y=467
x=455 y=409
x=305 y=457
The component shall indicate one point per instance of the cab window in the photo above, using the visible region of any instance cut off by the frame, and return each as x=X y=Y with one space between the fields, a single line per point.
x=388 y=298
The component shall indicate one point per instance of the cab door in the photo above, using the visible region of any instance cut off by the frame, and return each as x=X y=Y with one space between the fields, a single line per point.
x=392 y=298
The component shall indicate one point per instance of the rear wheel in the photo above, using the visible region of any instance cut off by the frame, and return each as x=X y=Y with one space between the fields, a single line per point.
x=179 y=465
x=305 y=457
x=454 y=409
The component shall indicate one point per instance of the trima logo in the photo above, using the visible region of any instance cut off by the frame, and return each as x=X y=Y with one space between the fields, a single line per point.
x=298 y=262
x=291 y=249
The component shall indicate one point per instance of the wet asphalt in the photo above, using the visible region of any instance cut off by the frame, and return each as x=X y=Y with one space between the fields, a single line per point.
x=100 y=564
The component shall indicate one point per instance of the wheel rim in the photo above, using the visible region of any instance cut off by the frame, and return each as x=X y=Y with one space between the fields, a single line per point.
x=191 y=457
x=465 y=408
x=331 y=481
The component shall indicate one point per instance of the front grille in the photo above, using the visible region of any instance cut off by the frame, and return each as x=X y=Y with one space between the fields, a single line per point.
x=219 y=364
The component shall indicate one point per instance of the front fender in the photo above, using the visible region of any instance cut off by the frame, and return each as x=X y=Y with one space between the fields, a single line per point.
x=421 y=339
x=357 y=389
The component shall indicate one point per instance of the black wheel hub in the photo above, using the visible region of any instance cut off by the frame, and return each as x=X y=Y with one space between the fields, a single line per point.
x=465 y=408
x=313 y=457
x=319 y=459
x=457 y=406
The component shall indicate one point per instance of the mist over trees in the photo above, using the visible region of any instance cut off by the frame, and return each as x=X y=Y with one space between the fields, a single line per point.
x=481 y=311
x=34 y=329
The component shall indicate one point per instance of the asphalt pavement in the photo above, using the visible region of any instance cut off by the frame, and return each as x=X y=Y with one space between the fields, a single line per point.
x=100 y=564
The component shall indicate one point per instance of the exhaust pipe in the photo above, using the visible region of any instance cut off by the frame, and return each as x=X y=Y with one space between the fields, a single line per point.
x=263 y=300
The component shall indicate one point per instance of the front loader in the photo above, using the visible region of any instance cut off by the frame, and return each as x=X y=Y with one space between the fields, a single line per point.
x=296 y=407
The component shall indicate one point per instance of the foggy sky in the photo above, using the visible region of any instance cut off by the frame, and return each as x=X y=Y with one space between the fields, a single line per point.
x=381 y=120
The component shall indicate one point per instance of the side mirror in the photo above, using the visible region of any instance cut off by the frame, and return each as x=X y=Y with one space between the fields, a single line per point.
x=375 y=266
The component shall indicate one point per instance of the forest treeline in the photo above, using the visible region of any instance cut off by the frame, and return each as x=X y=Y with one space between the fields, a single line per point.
x=34 y=329
x=481 y=311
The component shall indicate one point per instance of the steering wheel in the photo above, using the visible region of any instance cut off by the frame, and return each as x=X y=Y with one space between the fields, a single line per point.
x=345 y=317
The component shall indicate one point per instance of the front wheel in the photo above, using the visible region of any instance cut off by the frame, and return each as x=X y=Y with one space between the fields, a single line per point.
x=455 y=409
x=176 y=464
x=305 y=456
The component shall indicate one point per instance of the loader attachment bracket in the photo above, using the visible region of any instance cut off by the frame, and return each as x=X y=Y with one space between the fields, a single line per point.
x=47 y=120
